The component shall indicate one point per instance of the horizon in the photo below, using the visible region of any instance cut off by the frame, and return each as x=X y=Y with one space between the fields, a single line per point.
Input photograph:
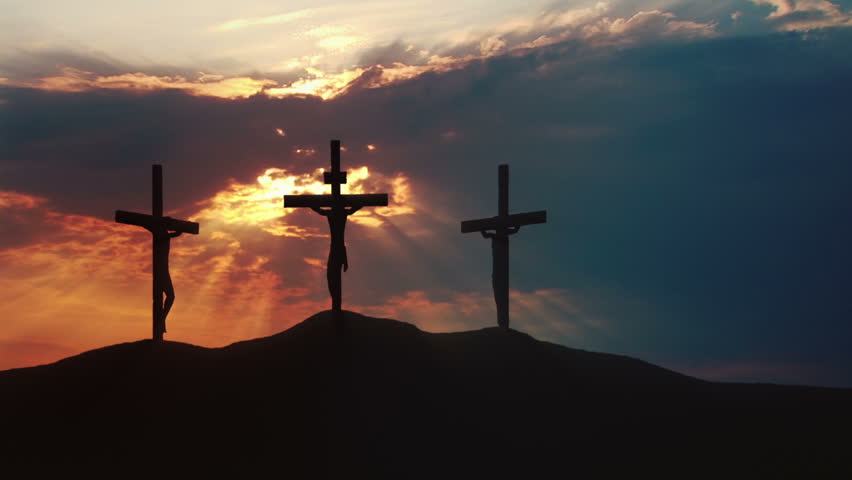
x=691 y=158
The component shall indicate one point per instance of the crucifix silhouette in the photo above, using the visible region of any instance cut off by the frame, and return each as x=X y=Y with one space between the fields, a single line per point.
x=335 y=208
x=502 y=225
x=162 y=229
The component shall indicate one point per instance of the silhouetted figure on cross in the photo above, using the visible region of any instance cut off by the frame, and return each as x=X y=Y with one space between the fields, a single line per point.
x=335 y=208
x=163 y=230
x=163 y=279
x=502 y=225
x=337 y=258
x=500 y=272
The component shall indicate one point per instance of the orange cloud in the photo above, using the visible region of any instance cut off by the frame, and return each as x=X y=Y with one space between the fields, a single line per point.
x=806 y=15
x=320 y=84
x=260 y=204
x=19 y=200
x=75 y=80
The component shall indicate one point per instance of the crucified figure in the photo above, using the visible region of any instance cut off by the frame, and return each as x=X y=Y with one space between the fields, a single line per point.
x=502 y=225
x=337 y=260
x=162 y=229
x=500 y=271
x=164 y=292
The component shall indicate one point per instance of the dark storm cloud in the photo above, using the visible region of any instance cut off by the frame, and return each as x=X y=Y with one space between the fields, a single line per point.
x=698 y=194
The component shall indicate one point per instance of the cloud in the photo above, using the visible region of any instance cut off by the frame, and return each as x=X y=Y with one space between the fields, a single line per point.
x=260 y=204
x=20 y=215
x=592 y=26
x=278 y=19
x=805 y=15
x=15 y=200
x=74 y=80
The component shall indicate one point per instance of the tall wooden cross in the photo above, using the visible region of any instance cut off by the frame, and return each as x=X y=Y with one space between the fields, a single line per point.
x=503 y=225
x=162 y=229
x=335 y=208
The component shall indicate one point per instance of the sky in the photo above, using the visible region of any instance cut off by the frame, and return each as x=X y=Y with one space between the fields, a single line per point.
x=693 y=158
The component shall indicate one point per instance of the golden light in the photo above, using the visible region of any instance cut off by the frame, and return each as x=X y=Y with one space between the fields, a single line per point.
x=260 y=204
x=326 y=85
x=280 y=132
x=315 y=262
x=76 y=80
x=371 y=147
x=323 y=85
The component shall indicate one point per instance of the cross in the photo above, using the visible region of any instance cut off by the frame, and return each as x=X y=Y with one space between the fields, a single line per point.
x=162 y=229
x=503 y=225
x=335 y=208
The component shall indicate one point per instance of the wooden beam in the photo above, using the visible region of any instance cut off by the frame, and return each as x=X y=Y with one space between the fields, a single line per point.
x=157 y=190
x=494 y=223
x=335 y=169
x=182 y=226
x=143 y=220
x=133 y=218
x=503 y=190
x=362 y=200
x=335 y=155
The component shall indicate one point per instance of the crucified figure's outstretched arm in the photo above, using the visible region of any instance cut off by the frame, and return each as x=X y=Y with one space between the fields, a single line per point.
x=320 y=211
x=509 y=231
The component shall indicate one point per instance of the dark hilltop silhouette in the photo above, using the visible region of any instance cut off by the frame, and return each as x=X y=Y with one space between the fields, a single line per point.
x=378 y=398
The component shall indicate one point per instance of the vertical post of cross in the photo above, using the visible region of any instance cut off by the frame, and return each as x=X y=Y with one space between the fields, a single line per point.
x=500 y=244
x=503 y=191
x=503 y=225
x=335 y=167
x=157 y=213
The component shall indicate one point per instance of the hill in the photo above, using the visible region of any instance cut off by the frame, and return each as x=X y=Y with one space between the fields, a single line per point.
x=379 y=398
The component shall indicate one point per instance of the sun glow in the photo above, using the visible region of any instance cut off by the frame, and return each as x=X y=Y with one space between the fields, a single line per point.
x=260 y=204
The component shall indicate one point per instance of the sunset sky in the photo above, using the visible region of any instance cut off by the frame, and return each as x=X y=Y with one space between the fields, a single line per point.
x=694 y=158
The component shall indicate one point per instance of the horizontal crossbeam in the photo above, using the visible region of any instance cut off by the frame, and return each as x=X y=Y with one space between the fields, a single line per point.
x=494 y=223
x=361 y=200
x=143 y=220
